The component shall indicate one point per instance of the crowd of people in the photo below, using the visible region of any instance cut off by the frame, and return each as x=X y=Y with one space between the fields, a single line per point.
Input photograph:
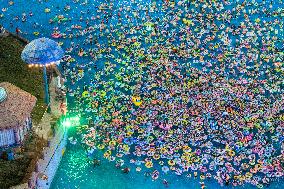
x=191 y=87
x=197 y=92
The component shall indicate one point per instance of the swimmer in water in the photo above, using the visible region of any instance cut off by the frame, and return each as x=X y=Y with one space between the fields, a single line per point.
x=126 y=170
x=96 y=162
x=147 y=174
x=202 y=185
x=195 y=174
x=166 y=183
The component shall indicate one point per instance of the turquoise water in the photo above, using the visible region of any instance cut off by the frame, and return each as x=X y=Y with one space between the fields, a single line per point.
x=76 y=170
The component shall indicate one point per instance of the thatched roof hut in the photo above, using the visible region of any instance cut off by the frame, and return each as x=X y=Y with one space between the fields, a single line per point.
x=16 y=106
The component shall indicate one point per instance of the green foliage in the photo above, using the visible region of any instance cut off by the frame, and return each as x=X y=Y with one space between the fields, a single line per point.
x=15 y=71
x=19 y=170
x=13 y=172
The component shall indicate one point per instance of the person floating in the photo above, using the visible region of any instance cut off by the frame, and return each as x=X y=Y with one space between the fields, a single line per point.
x=96 y=162
x=126 y=170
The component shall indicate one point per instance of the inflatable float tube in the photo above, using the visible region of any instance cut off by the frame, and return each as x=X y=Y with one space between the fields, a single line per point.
x=36 y=33
x=63 y=19
x=47 y=10
x=149 y=164
x=56 y=35
x=155 y=175
x=136 y=101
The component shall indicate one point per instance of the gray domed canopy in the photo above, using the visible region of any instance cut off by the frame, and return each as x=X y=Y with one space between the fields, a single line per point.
x=3 y=94
x=42 y=51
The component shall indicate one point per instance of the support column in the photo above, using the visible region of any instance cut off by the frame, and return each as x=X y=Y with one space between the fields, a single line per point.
x=46 y=91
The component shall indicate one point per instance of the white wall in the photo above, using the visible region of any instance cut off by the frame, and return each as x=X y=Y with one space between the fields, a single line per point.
x=52 y=157
x=7 y=137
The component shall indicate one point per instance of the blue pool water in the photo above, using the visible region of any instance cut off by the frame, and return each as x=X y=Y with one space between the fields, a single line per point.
x=75 y=169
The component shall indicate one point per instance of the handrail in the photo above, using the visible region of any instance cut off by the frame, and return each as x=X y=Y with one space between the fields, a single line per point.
x=55 y=151
x=23 y=40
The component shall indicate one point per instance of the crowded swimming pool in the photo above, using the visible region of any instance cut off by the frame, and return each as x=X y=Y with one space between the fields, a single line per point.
x=186 y=91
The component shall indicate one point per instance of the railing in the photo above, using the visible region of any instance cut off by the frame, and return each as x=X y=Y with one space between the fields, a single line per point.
x=47 y=166
x=23 y=40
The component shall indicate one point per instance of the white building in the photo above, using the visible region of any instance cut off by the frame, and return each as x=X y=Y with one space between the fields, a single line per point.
x=16 y=106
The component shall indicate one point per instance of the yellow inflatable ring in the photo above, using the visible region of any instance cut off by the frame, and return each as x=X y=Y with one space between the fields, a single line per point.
x=140 y=130
x=164 y=150
x=258 y=166
x=171 y=162
x=149 y=164
x=36 y=33
x=139 y=119
x=248 y=175
x=231 y=153
x=112 y=143
x=136 y=101
x=125 y=147
x=47 y=10
x=128 y=134
x=85 y=94
x=101 y=146
x=156 y=156
x=236 y=177
x=106 y=154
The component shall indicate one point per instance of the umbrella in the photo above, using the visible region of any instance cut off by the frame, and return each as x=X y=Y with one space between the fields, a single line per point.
x=42 y=52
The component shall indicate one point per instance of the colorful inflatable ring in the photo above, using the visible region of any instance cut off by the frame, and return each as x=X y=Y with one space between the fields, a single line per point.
x=204 y=161
x=136 y=100
x=101 y=146
x=112 y=158
x=171 y=162
x=156 y=156
x=126 y=147
x=258 y=166
x=47 y=10
x=112 y=143
x=107 y=154
x=231 y=153
x=248 y=175
x=253 y=170
x=149 y=164
x=195 y=159
x=164 y=150
x=140 y=130
x=56 y=35
x=36 y=33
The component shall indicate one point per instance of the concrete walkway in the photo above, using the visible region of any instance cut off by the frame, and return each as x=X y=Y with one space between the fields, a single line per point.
x=43 y=129
x=52 y=154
